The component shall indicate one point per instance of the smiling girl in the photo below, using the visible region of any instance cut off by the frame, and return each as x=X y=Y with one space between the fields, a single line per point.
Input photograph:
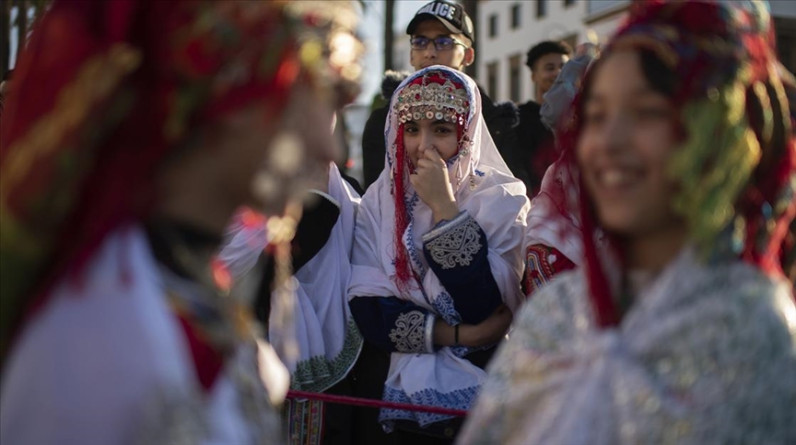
x=679 y=327
x=437 y=252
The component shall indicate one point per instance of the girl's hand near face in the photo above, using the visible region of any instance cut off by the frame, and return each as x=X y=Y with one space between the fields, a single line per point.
x=433 y=186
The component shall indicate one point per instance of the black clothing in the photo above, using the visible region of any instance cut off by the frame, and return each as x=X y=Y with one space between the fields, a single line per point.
x=180 y=247
x=471 y=288
x=368 y=376
x=536 y=150
x=373 y=145
x=318 y=218
x=501 y=118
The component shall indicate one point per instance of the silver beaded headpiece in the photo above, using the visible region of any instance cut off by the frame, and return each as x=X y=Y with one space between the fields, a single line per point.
x=431 y=100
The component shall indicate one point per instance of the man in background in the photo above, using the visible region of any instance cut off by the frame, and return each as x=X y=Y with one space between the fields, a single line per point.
x=441 y=33
x=537 y=151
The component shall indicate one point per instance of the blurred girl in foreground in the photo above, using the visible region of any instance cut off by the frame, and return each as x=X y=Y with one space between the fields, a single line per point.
x=133 y=132
x=682 y=330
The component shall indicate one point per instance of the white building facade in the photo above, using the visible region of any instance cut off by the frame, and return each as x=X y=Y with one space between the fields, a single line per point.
x=506 y=30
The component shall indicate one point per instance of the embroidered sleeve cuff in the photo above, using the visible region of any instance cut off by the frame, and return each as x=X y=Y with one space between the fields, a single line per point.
x=430 y=318
x=454 y=243
x=408 y=334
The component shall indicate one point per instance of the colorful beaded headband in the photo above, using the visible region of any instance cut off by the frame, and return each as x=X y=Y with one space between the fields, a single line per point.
x=432 y=100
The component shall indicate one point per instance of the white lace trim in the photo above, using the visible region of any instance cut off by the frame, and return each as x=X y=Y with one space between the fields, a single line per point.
x=409 y=332
x=459 y=241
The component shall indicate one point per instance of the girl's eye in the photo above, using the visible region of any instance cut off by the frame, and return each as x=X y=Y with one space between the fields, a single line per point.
x=410 y=129
x=444 y=130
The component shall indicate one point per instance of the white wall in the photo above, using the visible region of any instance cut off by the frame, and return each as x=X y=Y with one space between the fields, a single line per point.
x=560 y=21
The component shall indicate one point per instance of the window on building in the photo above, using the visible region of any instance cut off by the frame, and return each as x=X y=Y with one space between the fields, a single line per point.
x=515 y=16
x=493 y=25
x=541 y=8
x=568 y=3
x=515 y=70
x=492 y=79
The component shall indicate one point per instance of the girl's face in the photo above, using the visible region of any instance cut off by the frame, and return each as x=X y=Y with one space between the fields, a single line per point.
x=427 y=134
x=623 y=152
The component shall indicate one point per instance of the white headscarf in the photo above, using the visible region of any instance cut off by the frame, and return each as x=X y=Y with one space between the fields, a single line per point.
x=483 y=187
x=326 y=336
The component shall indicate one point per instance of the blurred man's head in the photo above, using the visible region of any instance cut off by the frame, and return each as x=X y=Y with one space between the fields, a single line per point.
x=545 y=60
x=441 y=34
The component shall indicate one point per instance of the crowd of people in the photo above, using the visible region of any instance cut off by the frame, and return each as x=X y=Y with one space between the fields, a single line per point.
x=183 y=261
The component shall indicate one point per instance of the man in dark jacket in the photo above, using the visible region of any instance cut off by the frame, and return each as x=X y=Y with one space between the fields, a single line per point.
x=441 y=34
x=537 y=150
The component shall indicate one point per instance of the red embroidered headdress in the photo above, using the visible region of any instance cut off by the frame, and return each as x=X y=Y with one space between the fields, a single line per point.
x=105 y=92
x=736 y=167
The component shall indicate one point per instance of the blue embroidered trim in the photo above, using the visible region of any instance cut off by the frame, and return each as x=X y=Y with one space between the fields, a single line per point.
x=444 y=307
x=462 y=351
x=459 y=399
x=479 y=173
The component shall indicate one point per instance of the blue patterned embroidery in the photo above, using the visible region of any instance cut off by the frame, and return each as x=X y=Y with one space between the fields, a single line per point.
x=479 y=173
x=444 y=307
x=459 y=399
x=462 y=351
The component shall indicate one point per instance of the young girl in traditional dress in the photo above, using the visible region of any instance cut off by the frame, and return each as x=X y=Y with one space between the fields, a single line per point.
x=437 y=250
x=680 y=327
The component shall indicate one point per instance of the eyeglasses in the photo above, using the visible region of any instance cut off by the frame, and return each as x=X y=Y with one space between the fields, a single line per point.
x=442 y=43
